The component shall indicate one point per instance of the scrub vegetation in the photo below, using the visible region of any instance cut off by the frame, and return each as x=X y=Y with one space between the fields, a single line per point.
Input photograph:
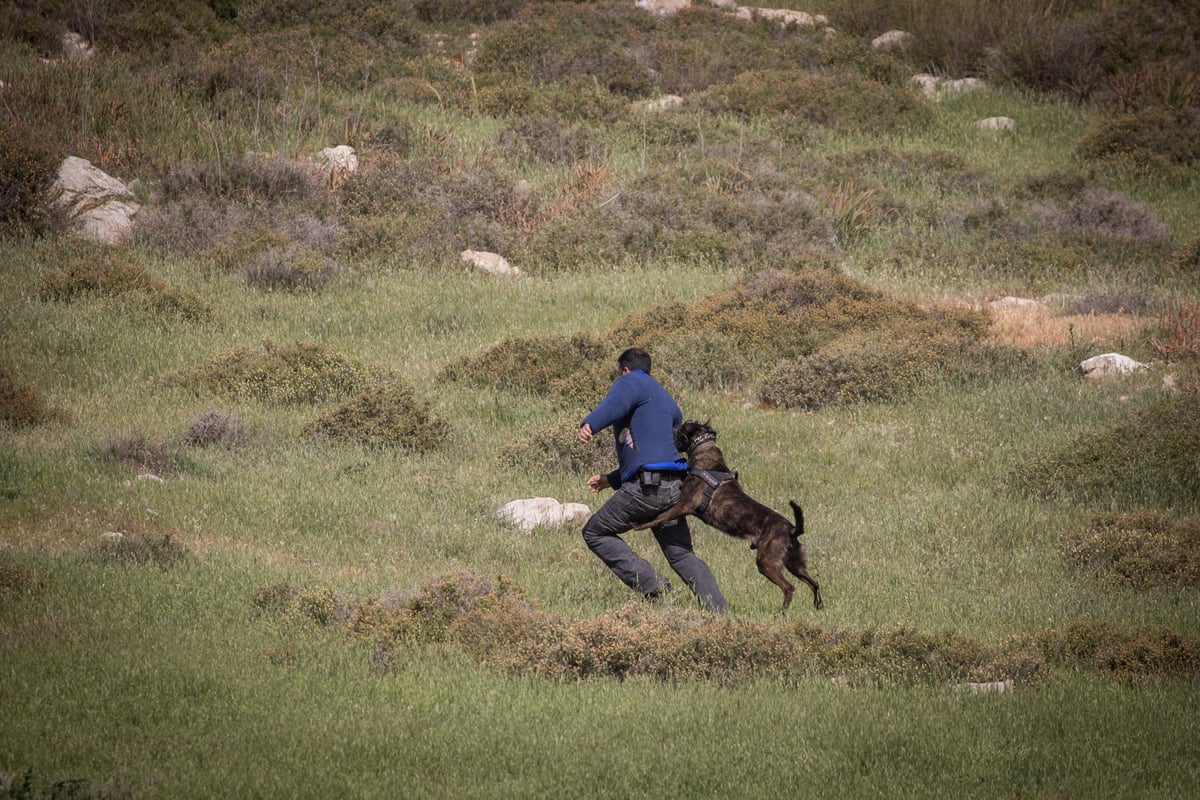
x=251 y=455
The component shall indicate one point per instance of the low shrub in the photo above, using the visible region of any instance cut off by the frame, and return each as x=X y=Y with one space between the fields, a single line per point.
x=384 y=415
x=28 y=167
x=215 y=426
x=1186 y=258
x=556 y=449
x=162 y=551
x=1155 y=140
x=250 y=180
x=882 y=364
x=109 y=273
x=284 y=373
x=846 y=101
x=1149 y=458
x=552 y=42
x=18 y=580
x=1125 y=654
x=294 y=268
x=1175 y=337
x=478 y=11
x=574 y=369
x=1144 y=549
x=499 y=625
x=143 y=455
x=21 y=404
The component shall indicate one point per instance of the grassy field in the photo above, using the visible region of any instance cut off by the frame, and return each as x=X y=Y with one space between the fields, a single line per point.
x=210 y=589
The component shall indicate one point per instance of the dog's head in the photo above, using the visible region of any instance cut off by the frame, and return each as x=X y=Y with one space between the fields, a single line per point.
x=691 y=433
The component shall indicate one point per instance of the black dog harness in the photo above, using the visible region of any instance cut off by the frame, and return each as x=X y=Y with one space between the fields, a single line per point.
x=712 y=479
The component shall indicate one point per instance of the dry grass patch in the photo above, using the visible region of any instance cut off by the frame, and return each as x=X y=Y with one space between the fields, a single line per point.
x=1030 y=325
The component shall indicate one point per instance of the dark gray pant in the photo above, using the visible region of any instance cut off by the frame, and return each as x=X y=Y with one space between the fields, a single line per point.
x=630 y=505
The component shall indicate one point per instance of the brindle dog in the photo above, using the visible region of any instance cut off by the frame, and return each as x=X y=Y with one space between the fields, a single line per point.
x=711 y=492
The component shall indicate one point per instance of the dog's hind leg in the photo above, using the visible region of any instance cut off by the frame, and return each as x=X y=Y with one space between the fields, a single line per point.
x=796 y=561
x=771 y=569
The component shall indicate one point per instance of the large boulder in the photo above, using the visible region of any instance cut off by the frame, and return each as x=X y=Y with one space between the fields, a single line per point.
x=98 y=206
x=536 y=512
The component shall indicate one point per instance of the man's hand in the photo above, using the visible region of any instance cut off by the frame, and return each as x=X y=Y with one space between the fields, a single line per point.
x=598 y=482
x=585 y=435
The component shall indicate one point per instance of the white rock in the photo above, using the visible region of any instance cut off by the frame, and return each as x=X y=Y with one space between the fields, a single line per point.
x=893 y=40
x=1098 y=367
x=100 y=206
x=997 y=124
x=998 y=687
x=342 y=158
x=536 y=512
x=492 y=263
x=663 y=103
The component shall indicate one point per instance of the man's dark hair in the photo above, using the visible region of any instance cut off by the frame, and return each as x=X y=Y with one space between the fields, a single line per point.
x=635 y=358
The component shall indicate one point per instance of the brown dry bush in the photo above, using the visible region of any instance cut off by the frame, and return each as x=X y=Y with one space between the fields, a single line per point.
x=19 y=580
x=1148 y=548
x=499 y=625
x=286 y=373
x=21 y=404
x=1103 y=646
x=1176 y=335
x=384 y=415
x=215 y=426
x=143 y=455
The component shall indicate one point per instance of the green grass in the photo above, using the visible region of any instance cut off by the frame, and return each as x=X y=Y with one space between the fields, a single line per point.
x=147 y=680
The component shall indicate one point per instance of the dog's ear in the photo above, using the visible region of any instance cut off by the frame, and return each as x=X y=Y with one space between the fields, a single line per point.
x=681 y=439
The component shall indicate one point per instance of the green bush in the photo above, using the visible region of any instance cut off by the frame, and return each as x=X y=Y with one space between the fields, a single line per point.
x=552 y=42
x=845 y=102
x=1159 y=140
x=112 y=273
x=28 y=168
x=575 y=369
x=1144 y=549
x=385 y=415
x=556 y=449
x=162 y=551
x=285 y=373
x=1148 y=458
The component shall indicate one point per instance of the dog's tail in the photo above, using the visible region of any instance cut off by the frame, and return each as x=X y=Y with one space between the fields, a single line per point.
x=799 y=519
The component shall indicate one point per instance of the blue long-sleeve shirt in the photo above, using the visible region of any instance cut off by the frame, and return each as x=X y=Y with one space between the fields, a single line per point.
x=643 y=416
